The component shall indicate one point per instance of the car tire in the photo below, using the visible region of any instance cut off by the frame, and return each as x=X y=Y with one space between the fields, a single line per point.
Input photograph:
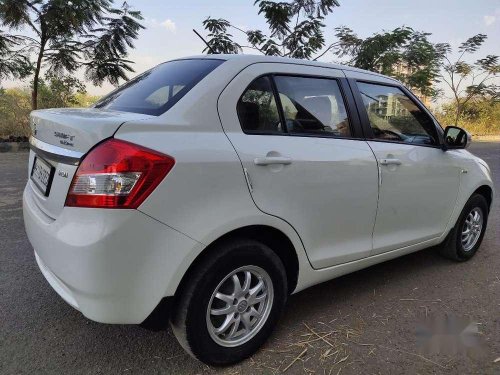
x=192 y=321
x=461 y=245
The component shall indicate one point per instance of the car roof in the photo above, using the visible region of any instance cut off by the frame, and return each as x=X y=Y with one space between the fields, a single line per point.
x=246 y=60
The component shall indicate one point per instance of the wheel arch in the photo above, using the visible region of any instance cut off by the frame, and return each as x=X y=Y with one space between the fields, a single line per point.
x=487 y=192
x=483 y=188
x=270 y=236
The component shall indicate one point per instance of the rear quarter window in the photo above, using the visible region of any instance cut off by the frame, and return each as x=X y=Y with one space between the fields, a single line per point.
x=157 y=90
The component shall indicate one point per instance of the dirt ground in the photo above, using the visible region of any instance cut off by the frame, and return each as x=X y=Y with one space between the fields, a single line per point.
x=363 y=323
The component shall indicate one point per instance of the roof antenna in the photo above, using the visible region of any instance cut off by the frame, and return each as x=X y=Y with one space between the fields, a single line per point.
x=204 y=41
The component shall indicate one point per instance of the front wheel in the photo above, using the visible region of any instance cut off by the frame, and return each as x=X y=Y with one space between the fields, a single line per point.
x=231 y=303
x=464 y=239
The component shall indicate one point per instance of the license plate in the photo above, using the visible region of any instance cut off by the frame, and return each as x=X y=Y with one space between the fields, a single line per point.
x=42 y=174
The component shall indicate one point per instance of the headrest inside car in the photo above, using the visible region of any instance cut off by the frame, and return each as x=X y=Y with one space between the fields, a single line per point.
x=320 y=107
x=249 y=115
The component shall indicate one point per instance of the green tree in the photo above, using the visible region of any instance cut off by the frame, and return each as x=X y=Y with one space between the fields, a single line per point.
x=15 y=107
x=68 y=35
x=470 y=82
x=402 y=53
x=57 y=91
x=54 y=91
x=84 y=99
x=479 y=117
x=295 y=30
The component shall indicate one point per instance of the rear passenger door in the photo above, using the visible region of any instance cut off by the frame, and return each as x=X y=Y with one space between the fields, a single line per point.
x=296 y=132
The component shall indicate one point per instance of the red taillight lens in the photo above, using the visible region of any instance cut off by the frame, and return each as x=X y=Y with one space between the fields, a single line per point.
x=117 y=174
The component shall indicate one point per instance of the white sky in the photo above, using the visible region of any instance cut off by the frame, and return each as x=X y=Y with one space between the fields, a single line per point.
x=169 y=25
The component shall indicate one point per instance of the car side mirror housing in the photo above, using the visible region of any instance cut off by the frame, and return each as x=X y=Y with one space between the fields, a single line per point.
x=456 y=138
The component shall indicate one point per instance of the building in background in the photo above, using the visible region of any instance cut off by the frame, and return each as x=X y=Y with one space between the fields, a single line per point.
x=388 y=106
x=403 y=69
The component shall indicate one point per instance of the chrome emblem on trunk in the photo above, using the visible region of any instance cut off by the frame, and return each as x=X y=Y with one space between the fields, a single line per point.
x=66 y=139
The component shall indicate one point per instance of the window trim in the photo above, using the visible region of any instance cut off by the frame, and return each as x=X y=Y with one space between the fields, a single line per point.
x=279 y=105
x=347 y=97
x=365 y=121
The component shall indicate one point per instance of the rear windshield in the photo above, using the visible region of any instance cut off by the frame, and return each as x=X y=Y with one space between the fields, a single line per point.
x=157 y=90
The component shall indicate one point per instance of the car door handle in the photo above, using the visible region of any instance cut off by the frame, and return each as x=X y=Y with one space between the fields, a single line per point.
x=390 y=161
x=270 y=160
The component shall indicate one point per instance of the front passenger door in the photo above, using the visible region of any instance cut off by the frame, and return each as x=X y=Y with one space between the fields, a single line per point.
x=419 y=182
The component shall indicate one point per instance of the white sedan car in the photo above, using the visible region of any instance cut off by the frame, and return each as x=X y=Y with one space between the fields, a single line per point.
x=213 y=187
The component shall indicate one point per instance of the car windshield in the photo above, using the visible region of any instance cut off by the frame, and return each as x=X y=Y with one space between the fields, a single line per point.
x=157 y=90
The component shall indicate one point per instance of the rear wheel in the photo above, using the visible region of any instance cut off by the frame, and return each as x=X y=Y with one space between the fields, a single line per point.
x=465 y=238
x=231 y=302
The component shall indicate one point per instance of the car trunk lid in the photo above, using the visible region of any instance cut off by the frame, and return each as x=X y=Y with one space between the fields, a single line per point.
x=78 y=129
x=61 y=137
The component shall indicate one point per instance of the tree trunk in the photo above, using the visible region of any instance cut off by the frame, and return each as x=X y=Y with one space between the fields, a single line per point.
x=457 y=114
x=34 y=93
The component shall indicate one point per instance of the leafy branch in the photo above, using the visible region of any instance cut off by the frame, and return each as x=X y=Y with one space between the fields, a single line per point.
x=88 y=34
x=295 y=30
x=402 y=53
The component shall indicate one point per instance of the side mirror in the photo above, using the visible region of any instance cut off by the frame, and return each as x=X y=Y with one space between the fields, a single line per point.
x=455 y=138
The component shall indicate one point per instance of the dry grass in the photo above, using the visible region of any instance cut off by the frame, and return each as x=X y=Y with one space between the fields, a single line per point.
x=324 y=343
x=327 y=348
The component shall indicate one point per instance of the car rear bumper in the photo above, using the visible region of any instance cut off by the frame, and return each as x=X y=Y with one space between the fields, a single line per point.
x=114 y=266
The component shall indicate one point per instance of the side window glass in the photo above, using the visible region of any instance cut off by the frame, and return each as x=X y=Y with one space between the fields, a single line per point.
x=395 y=117
x=257 y=108
x=313 y=106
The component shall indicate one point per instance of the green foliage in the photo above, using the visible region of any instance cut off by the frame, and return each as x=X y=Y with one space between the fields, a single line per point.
x=15 y=107
x=295 y=29
x=220 y=40
x=418 y=59
x=479 y=118
x=12 y=64
x=60 y=91
x=55 y=91
x=470 y=82
x=69 y=35
x=85 y=100
x=472 y=44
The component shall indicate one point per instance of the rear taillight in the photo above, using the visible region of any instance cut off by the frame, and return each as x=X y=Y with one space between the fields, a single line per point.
x=117 y=174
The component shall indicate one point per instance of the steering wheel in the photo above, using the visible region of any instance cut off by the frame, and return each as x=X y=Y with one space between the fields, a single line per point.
x=378 y=132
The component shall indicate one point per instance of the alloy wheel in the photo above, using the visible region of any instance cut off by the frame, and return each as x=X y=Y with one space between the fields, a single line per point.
x=471 y=230
x=240 y=306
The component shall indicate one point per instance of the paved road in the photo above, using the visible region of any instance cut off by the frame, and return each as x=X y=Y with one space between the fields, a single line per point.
x=369 y=317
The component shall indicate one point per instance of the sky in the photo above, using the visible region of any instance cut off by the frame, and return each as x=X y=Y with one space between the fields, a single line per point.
x=169 y=25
